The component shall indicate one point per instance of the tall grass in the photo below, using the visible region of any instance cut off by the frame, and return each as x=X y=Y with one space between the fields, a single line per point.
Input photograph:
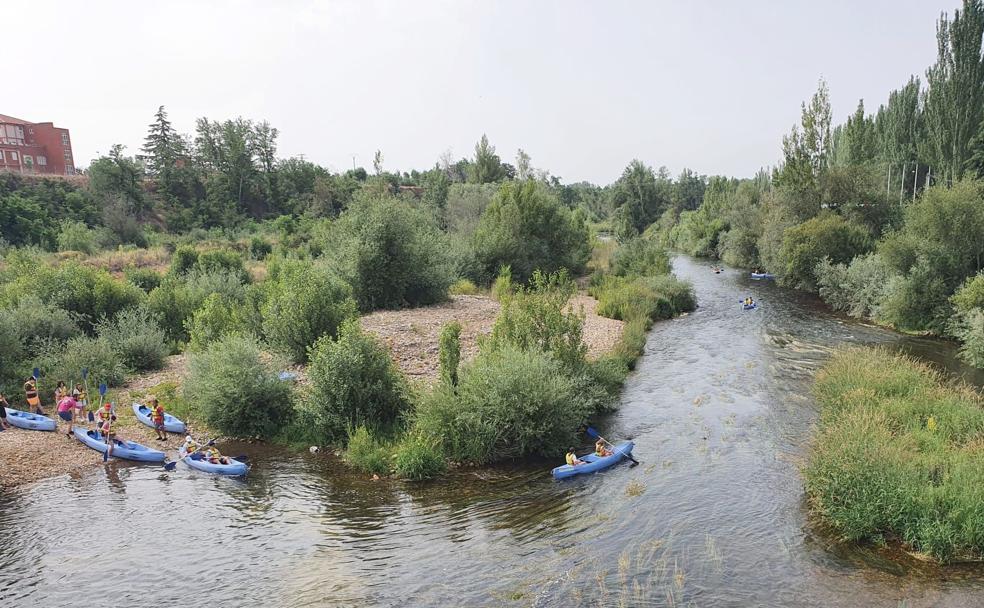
x=899 y=455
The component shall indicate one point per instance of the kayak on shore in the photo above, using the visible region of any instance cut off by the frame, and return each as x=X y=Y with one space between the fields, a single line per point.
x=129 y=450
x=763 y=275
x=29 y=421
x=593 y=462
x=171 y=424
x=235 y=468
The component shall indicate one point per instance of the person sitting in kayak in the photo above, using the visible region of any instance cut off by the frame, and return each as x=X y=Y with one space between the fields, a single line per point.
x=4 y=425
x=31 y=394
x=572 y=458
x=190 y=446
x=106 y=413
x=109 y=433
x=212 y=455
x=749 y=301
x=600 y=450
x=157 y=417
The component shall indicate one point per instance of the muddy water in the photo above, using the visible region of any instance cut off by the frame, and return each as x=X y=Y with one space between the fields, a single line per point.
x=720 y=412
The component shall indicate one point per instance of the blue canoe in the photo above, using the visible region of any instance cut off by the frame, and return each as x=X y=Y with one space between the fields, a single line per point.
x=171 y=424
x=29 y=421
x=233 y=469
x=593 y=462
x=749 y=306
x=763 y=275
x=121 y=449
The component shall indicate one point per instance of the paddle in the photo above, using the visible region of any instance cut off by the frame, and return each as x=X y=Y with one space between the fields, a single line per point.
x=169 y=466
x=596 y=435
x=36 y=374
x=85 y=382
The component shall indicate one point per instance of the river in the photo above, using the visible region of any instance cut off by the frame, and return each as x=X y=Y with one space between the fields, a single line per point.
x=721 y=414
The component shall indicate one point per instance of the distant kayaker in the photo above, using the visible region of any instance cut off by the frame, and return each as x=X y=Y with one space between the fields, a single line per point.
x=66 y=411
x=157 y=417
x=31 y=394
x=190 y=446
x=749 y=301
x=601 y=450
x=572 y=458
x=3 y=412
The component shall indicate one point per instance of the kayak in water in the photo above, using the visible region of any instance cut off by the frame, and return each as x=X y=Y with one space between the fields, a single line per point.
x=763 y=275
x=592 y=463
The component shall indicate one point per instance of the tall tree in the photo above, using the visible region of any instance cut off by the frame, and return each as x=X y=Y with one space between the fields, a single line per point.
x=639 y=198
x=954 y=99
x=898 y=124
x=377 y=162
x=524 y=170
x=162 y=146
x=855 y=142
x=487 y=166
x=816 y=129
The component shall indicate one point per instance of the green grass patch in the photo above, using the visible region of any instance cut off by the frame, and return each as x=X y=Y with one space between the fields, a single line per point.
x=899 y=455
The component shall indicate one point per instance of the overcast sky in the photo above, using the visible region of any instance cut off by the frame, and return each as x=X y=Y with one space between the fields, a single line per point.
x=582 y=86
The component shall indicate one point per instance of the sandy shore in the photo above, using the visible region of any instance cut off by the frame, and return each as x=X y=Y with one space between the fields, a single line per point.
x=412 y=335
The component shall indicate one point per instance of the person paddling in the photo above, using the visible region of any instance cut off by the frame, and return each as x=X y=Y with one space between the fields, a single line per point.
x=600 y=450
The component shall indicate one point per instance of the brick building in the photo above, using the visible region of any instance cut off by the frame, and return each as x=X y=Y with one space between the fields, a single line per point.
x=37 y=148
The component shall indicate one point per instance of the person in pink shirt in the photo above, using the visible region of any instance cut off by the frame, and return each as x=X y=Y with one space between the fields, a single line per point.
x=66 y=411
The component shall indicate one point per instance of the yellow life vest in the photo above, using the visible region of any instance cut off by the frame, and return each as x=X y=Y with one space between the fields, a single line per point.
x=571 y=458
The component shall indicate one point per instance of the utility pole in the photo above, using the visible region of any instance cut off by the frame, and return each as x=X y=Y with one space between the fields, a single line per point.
x=915 y=176
x=888 y=184
x=902 y=184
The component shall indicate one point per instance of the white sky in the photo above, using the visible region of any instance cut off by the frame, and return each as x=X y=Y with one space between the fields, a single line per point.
x=583 y=86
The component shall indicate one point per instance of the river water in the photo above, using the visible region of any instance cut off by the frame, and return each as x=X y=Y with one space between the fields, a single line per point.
x=721 y=414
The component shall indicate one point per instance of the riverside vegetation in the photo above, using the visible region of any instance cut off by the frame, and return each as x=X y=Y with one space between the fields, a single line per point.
x=248 y=264
x=899 y=455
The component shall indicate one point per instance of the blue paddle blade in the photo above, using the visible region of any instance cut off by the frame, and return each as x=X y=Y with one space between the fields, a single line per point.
x=85 y=373
x=92 y=417
x=197 y=456
x=105 y=455
x=592 y=433
x=102 y=389
x=169 y=466
x=36 y=373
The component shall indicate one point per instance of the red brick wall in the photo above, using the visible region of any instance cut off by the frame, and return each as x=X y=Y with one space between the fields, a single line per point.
x=49 y=137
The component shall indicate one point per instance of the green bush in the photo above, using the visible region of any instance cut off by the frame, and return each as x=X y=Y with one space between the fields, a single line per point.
x=967 y=323
x=176 y=299
x=76 y=236
x=449 y=352
x=184 y=259
x=222 y=261
x=898 y=455
x=367 y=453
x=66 y=363
x=392 y=253
x=13 y=367
x=640 y=257
x=136 y=338
x=419 y=457
x=237 y=389
x=825 y=236
x=526 y=228
x=215 y=318
x=259 y=249
x=652 y=298
x=145 y=278
x=37 y=324
x=306 y=302
x=503 y=287
x=858 y=288
x=463 y=287
x=536 y=318
x=509 y=403
x=917 y=300
x=355 y=383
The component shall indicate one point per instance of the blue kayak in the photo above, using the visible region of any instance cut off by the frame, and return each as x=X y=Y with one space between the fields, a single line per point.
x=749 y=306
x=763 y=275
x=121 y=449
x=593 y=462
x=234 y=468
x=29 y=421
x=171 y=424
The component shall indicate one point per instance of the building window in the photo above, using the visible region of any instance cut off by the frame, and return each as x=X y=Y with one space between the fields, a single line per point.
x=13 y=155
x=64 y=139
x=42 y=160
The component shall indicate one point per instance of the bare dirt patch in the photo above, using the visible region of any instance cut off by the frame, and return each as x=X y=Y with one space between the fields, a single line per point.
x=412 y=335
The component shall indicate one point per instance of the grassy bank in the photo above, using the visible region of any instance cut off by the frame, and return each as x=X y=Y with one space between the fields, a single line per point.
x=899 y=455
